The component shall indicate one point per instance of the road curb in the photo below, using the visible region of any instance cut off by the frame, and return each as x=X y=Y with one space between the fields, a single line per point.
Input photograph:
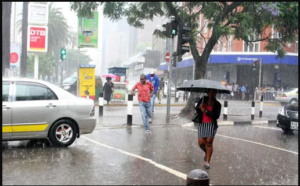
x=231 y=123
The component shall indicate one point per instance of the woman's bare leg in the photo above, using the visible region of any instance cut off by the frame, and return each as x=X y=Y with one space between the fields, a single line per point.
x=209 y=148
x=202 y=142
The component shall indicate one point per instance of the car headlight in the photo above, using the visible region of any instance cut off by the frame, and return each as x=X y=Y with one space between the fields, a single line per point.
x=67 y=87
x=281 y=111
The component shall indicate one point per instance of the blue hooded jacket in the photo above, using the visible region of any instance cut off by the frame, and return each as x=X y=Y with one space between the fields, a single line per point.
x=154 y=81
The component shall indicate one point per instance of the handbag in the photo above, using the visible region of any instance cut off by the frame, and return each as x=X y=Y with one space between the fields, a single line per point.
x=195 y=118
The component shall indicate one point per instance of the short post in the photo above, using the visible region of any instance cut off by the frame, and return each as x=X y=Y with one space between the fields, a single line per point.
x=101 y=104
x=261 y=106
x=176 y=96
x=129 y=109
x=197 y=177
x=225 y=111
x=252 y=110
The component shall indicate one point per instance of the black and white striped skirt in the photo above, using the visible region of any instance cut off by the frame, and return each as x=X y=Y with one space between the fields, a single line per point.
x=206 y=130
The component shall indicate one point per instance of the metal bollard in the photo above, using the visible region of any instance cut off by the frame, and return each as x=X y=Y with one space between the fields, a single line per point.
x=129 y=109
x=261 y=106
x=253 y=110
x=101 y=104
x=225 y=111
x=197 y=177
x=176 y=96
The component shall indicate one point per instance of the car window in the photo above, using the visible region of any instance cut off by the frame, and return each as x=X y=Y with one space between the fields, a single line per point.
x=70 y=80
x=5 y=91
x=33 y=92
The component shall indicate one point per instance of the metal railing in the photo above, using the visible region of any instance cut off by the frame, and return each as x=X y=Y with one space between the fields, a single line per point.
x=268 y=95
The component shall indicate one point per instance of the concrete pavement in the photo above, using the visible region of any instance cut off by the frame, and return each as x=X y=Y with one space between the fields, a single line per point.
x=239 y=112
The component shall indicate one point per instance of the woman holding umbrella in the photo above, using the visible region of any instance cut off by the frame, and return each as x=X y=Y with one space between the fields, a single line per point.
x=108 y=89
x=208 y=109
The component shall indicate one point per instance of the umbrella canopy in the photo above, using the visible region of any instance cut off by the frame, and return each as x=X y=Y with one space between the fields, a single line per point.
x=202 y=85
x=110 y=75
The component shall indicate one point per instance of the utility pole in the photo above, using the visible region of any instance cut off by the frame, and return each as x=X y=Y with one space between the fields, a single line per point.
x=169 y=82
x=259 y=81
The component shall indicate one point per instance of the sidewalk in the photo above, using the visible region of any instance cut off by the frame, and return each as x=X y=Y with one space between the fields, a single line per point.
x=180 y=102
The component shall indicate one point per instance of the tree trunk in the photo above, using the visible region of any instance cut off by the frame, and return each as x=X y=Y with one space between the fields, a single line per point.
x=23 y=65
x=6 y=15
x=200 y=68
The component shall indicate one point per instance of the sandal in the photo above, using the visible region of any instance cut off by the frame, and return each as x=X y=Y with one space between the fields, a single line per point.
x=206 y=166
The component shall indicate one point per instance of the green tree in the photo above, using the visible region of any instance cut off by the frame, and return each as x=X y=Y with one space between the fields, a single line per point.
x=6 y=14
x=59 y=33
x=244 y=20
x=241 y=19
x=46 y=64
x=71 y=63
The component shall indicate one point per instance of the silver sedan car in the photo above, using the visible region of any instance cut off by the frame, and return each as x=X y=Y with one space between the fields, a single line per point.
x=38 y=109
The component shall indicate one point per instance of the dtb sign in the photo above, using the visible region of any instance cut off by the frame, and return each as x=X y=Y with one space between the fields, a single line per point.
x=37 y=38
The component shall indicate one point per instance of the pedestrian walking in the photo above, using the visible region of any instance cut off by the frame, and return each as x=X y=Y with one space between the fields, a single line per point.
x=243 y=90
x=108 y=89
x=208 y=112
x=145 y=92
x=161 y=87
x=155 y=82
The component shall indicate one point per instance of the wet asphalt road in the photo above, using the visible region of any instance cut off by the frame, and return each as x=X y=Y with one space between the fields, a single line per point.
x=243 y=155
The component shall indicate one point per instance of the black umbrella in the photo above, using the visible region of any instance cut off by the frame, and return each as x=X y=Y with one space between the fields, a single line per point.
x=202 y=85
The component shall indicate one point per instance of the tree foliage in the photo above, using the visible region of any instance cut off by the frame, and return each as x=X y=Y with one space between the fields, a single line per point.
x=244 y=20
x=241 y=19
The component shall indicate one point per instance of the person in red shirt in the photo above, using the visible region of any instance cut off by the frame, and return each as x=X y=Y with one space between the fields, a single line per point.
x=145 y=92
x=209 y=111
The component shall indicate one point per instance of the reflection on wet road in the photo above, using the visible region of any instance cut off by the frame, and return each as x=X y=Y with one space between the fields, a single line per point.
x=164 y=156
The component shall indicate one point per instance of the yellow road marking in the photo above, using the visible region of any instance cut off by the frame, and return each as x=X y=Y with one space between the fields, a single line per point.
x=24 y=128
x=252 y=142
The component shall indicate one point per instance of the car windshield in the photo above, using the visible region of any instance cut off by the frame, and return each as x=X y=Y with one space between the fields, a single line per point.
x=69 y=80
x=290 y=90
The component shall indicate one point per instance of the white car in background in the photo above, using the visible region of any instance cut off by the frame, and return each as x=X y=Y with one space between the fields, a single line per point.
x=33 y=109
x=288 y=96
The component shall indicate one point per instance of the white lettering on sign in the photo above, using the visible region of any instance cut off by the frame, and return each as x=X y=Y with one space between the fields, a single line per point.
x=38 y=32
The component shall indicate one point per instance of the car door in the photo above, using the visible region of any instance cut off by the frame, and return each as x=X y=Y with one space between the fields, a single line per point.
x=33 y=109
x=6 y=110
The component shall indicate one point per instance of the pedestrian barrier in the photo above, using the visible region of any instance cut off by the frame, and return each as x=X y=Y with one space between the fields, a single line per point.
x=101 y=104
x=253 y=110
x=261 y=106
x=129 y=109
x=269 y=95
x=197 y=177
x=225 y=111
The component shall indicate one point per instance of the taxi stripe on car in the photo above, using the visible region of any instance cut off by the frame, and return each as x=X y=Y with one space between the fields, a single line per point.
x=24 y=128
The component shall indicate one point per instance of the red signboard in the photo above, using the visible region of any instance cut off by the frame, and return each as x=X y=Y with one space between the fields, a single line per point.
x=14 y=57
x=168 y=57
x=37 y=38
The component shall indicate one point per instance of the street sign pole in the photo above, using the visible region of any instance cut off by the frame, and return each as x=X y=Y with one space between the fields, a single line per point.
x=169 y=82
x=259 y=81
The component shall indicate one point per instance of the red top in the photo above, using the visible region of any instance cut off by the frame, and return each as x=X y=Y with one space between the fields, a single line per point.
x=144 y=91
x=207 y=119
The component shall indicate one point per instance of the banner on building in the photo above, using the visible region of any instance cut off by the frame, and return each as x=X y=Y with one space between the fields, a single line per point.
x=88 y=32
x=15 y=51
x=37 y=38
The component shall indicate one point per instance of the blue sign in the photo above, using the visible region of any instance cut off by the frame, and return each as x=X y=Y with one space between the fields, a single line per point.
x=87 y=66
x=239 y=59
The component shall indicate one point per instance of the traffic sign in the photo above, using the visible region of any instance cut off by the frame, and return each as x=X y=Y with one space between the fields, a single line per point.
x=14 y=57
x=168 y=57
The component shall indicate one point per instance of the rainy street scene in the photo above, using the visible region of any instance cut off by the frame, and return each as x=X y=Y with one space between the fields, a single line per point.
x=150 y=93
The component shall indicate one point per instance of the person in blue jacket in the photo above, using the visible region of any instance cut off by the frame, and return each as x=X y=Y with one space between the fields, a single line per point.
x=155 y=82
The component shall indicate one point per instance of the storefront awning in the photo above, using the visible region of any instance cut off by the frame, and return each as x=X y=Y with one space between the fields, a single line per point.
x=240 y=59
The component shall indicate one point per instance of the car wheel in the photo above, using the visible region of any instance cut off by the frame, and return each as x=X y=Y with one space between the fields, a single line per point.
x=63 y=133
x=293 y=101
